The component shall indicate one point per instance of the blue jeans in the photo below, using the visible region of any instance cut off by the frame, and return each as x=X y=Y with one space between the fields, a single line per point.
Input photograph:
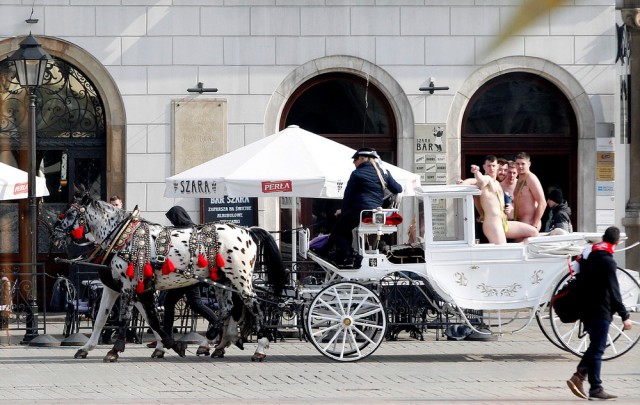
x=591 y=363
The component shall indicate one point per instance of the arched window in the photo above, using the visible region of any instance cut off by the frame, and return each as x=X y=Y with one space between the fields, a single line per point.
x=348 y=109
x=518 y=112
x=345 y=108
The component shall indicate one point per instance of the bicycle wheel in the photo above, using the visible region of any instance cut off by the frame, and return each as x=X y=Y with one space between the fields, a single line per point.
x=346 y=321
x=576 y=340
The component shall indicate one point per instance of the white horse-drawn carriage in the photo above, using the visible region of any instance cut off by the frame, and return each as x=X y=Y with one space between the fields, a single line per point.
x=510 y=284
x=503 y=286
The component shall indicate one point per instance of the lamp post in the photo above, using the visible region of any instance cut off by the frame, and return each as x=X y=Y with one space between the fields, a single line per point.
x=31 y=62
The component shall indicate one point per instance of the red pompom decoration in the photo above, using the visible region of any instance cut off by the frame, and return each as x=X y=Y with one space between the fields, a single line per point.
x=214 y=274
x=219 y=260
x=168 y=267
x=130 y=270
x=78 y=232
x=148 y=270
x=202 y=262
x=140 y=287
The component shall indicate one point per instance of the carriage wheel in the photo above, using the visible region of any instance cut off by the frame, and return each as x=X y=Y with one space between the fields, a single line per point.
x=543 y=317
x=346 y=321
x=576 y=340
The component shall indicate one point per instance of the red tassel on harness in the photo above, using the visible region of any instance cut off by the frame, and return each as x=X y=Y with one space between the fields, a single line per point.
x=130 y=270
x=214 y=274
x=78 y=232
x=140 y=287
x=148 y=270
x=219 y=260
x=202 y=262
x=168 y=267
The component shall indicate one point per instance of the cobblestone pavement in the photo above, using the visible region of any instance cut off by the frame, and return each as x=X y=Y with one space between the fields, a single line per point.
x=515 y=369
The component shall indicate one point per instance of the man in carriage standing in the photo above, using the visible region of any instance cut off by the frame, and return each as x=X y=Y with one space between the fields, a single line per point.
x=601 y=299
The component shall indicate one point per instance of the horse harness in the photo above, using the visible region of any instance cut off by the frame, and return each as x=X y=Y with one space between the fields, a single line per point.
x=134 y=232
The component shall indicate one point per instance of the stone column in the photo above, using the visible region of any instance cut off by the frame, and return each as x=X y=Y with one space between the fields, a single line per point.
x=631 y=221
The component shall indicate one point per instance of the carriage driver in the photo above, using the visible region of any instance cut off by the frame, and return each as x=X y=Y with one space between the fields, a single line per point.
x=364 y=191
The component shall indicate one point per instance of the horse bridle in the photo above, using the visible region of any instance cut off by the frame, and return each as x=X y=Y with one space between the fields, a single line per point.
x=81 y=220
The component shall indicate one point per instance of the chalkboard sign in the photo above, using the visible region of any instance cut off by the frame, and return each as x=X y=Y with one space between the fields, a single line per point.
x=237 y=210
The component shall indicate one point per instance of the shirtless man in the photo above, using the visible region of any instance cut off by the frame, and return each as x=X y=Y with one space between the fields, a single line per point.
x=509 y=183
x=495 y=225
x=502 y=169
x=528 y=196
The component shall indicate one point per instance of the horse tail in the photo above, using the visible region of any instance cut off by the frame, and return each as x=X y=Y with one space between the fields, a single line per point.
x=270 y=253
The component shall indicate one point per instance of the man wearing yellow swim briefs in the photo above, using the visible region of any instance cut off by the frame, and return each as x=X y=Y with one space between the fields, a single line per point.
x=496 y=227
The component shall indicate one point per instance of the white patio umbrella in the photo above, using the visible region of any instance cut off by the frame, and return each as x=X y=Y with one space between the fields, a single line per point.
x=14 y=184
x=290 y=163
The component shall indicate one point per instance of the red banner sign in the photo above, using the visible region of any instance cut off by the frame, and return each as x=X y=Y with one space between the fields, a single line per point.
x=283 y=186
x=20 y=188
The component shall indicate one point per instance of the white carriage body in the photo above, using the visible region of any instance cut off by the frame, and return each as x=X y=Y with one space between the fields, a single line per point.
x=463 y=272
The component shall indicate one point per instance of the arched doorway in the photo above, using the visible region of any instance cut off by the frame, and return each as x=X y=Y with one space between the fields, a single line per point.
x=346 y=108
x=80 y=128
x=521 y=111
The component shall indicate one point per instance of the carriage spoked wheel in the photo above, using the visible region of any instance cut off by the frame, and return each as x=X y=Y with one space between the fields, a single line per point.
x=576 y=340
x=543 y=317
x=346 y=321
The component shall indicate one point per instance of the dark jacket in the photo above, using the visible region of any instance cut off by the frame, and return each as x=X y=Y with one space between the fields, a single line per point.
x=364 y=190
x=559 y=217
x=599 y=287
x=179 y=217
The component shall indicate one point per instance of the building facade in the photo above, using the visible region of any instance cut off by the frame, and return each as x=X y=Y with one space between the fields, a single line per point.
x=351 y=70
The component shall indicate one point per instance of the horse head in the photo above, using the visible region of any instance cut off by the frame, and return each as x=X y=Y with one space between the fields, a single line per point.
x=72 y=222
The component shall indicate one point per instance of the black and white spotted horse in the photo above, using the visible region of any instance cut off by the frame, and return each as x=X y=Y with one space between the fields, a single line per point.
x=143 y=257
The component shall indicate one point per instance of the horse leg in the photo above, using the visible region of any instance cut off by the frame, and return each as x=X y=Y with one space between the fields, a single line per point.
x=230 y=332
x=147 y=300
x=123 y=323
x=194 y=300
x=263 y=335
x=159 y=350
x=106 y=303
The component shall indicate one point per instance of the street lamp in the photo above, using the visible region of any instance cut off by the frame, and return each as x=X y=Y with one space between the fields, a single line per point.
x=31 y=62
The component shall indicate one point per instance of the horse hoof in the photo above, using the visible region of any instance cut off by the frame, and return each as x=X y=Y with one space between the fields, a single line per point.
x=81 y=354
x=258 y=357
x=203 y=350
x=217 y=354
x=157 y=354
x=180 y=348
x=111 y=357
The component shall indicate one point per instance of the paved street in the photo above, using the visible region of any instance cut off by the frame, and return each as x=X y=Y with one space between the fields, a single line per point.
x=515 y=369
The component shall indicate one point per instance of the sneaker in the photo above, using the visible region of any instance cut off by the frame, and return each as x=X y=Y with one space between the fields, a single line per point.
x=600 y=395
x=575 y=385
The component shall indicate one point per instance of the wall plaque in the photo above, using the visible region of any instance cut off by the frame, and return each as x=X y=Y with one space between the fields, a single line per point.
x=199 y=131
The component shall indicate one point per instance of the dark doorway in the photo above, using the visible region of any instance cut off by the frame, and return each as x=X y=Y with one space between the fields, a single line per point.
x=345 y=108
x=522 y=112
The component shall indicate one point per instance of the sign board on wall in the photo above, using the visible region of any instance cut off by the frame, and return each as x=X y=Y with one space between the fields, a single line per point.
x=199 y=132
x=605 y=166
x=241 y=211
x=604 y=188
x=430 y=153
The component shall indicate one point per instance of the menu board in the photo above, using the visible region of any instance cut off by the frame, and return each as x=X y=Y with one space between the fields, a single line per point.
x=241 y=211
